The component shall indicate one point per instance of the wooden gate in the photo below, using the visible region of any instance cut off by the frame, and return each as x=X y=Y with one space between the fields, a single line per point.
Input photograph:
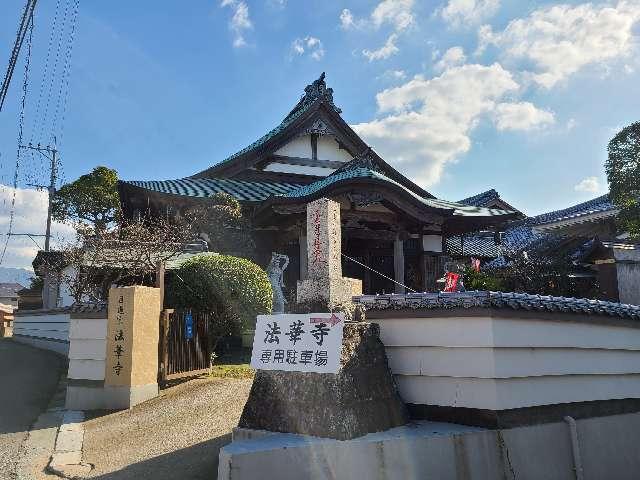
x=183 y=351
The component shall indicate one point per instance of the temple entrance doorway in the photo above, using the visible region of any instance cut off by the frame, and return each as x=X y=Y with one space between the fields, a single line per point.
x=376 y=254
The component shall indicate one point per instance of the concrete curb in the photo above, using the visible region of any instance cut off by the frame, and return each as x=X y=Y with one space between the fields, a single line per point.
x=39 y=442
x=66 y=460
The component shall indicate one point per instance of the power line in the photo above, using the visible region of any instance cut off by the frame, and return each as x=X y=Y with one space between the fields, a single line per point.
x=25 y=85
x=25 y=24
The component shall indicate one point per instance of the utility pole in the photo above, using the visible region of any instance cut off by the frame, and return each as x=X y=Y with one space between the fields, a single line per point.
x=51 y=154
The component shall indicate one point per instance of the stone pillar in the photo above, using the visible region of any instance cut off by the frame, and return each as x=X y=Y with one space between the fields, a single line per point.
x=398 y=264
x=325 y=283
x=303 y=256
x=131 y=372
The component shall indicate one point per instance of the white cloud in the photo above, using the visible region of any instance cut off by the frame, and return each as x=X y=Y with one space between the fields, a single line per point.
x=240 y=21
x=346 y=19
x=310 y=45
x=384 y=52
x=589 y=185
x=562 y=39
x=452 y=57
x=459 y=13
x=398 y=13
x=521 y=116
x=30 y=217
x=426 y=123
x=393 y=75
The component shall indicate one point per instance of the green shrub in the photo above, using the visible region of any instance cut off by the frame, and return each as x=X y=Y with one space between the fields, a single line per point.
x=482 y=281
x=234 y=289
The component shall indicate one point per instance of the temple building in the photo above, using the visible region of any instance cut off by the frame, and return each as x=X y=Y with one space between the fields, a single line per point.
x=389 y=224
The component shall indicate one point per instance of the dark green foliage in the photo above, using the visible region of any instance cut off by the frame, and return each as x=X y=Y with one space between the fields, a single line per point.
x=234 y=289
x=227 y=229
x=623 y=174
x=37 y=283
x=91 y=200
x=546 y=275
x=482 y=281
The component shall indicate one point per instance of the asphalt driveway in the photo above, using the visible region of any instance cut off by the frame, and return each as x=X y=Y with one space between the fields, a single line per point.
x=28 y=380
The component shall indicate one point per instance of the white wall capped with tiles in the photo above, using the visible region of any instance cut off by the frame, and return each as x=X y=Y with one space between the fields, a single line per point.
x=502 y=363
x=47 y=330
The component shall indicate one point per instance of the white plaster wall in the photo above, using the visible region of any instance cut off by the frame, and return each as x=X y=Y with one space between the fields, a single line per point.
x=298 y=147
x=502 y=363
x=64 y=293
x=87 y=348
x=53 y=326
x=47 y=331
x=328 y=149
x=301 y=169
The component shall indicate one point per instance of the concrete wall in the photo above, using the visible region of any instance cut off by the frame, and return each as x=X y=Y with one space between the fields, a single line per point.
x=498 y=363
x=607 y=446
x=43 y=329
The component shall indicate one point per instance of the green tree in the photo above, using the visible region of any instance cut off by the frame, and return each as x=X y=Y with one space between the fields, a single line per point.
x=224 y=225
x=90 y=201
x=623 y=174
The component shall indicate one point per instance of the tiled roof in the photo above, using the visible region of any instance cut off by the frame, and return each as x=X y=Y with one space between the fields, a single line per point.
x=95 y=307
x=315 y=91
x=481 y=199
x=363 y=172
x=483 y=299
x=481 y=246
x=206 y=187
x=600 y=204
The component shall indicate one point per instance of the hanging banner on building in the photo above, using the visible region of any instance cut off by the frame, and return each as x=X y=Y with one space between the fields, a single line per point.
x=298 y=343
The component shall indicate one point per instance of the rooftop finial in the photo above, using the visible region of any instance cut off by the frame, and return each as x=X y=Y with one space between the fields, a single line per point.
x=316 y=90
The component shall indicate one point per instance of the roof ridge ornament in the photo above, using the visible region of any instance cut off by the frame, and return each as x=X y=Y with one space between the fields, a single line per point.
x=316 y=90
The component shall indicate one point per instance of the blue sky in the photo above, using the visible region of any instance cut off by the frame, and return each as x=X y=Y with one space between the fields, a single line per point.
x=460 y=95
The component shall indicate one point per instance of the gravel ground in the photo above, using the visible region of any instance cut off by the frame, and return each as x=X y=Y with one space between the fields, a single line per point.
x=176 y=435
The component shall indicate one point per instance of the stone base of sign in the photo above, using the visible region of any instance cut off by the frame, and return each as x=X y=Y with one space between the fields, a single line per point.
x=333 y=291
x=87 y=397
x=360 y=399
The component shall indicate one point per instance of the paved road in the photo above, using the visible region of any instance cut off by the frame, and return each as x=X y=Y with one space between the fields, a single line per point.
x=28 y=379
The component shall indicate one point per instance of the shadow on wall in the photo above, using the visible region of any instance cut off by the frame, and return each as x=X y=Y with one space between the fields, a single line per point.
x=197 y=462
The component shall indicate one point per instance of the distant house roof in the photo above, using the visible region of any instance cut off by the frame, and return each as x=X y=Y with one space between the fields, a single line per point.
x=10 y=289
x=598 y=208
x=532 y=233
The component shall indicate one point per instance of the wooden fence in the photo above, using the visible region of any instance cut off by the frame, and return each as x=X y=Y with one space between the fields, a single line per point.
x=184 y=344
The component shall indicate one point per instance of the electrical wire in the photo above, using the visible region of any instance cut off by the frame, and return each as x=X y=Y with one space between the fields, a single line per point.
x=25 y=86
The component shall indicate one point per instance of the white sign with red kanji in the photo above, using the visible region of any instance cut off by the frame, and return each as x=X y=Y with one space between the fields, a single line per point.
x=298 y=343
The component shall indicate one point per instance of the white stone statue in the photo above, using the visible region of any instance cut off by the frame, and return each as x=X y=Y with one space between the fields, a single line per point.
x=275 y=272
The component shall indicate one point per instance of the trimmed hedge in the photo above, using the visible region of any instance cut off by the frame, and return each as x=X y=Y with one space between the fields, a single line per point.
x=234 y=289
